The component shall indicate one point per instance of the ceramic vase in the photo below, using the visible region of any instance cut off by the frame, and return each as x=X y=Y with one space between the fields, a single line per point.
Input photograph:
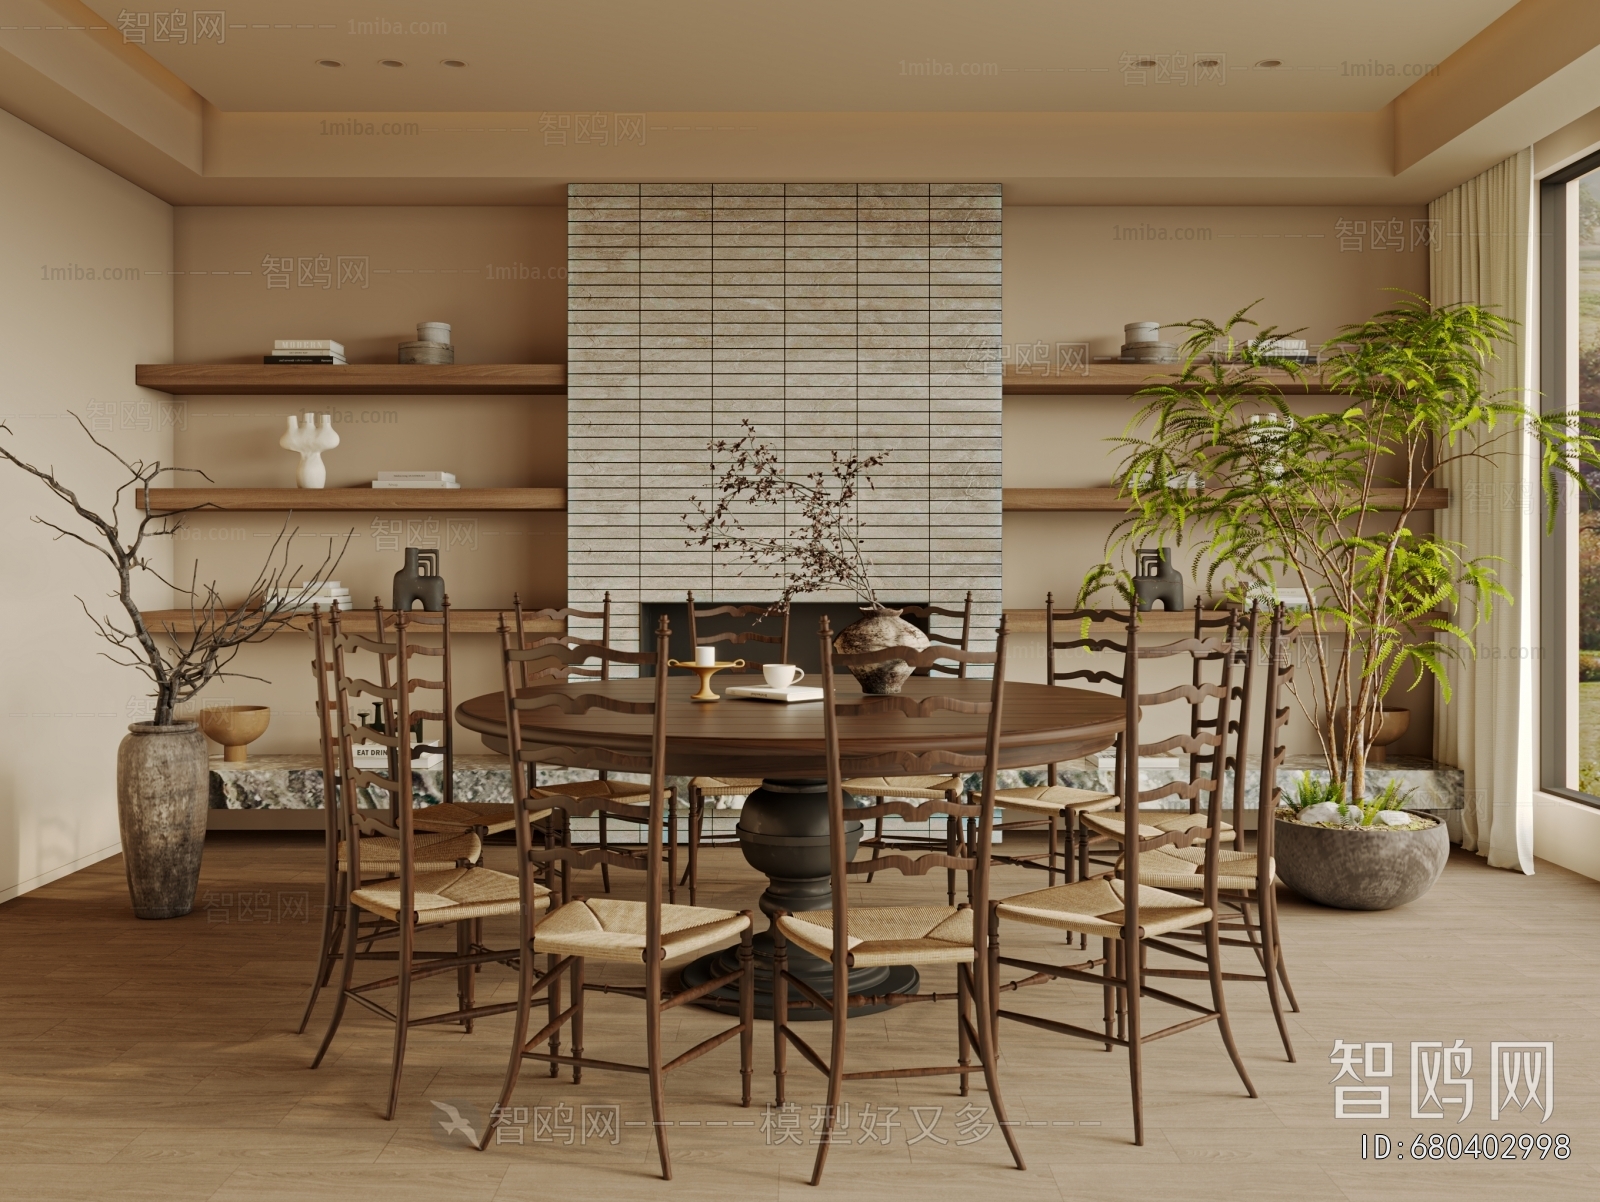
x=163 y=789
x=880 y=627
x=310 y=440
x=419 y=581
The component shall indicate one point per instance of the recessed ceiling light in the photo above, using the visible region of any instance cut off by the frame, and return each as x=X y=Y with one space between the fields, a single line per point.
x=329 y=62
x=1145 y=62
x=1270 y=63
x=1208 y=61
x=452 y=62
x=390 y=62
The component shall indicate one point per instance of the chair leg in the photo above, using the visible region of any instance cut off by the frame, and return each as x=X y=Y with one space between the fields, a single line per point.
x=988 y=1052
x=952 y=846
x=1271 y=899
x=352 y=928
x=697 y=811
x=605 y=869
x=963 y=1044
x=1053 y=837
x=1219 y=1003
x=552 y=995
x=672 y=846
x=877 y=835
x=780 y=1010
x=991 y=1003
x=1269 y=965
x=1107 y=953
x=1130 y=992
x=577 y=1019
x=464 y=975
x=402 y=1013
x=652 y=1039
x=328 y=956
x=747 y=1008
x=840 y=1015
x=519 y=1040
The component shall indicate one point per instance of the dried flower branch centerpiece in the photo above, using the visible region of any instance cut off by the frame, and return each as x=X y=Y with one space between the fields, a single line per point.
x=815 y=543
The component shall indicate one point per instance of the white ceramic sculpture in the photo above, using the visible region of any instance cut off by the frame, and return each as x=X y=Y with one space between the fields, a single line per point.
x=310 y=440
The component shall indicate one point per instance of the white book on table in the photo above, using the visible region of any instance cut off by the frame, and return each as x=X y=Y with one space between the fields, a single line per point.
x=761 y=692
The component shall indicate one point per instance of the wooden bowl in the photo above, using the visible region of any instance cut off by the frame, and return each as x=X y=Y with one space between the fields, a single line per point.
x=235 y=727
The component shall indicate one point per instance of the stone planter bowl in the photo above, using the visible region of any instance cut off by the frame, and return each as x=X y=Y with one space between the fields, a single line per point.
x=1355 y=869
x=235 y=727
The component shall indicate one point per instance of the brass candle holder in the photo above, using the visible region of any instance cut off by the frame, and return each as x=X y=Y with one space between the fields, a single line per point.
x=705 y=672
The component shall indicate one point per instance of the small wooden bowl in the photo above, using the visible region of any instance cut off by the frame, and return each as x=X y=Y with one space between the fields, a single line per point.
x=235 y=727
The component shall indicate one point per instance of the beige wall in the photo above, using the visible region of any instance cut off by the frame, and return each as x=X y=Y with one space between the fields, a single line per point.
x=69 y=345
x=421 y=264
x=1078 y=274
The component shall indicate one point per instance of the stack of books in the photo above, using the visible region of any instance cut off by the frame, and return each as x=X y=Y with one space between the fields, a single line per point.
x=299 y=598
x=305 y=350
x=416 y=480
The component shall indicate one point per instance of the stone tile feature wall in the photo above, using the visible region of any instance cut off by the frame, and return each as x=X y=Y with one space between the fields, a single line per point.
x=836 y=317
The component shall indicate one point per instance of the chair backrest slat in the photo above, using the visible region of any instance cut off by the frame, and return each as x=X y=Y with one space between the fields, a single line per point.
x=1279 y=672
x=961 y=643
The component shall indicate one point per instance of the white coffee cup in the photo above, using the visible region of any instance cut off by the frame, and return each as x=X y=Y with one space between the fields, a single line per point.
x=781 y=676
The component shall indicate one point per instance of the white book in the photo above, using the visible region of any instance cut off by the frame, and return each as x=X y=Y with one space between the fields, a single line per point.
x=320 y=346
x=415 y=484
x=450 y=476
x=761 y=692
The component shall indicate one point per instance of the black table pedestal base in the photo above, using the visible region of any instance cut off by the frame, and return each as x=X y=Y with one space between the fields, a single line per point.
x=783 y=832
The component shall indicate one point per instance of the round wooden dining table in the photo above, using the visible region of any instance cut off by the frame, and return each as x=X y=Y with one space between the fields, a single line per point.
x=783 y=827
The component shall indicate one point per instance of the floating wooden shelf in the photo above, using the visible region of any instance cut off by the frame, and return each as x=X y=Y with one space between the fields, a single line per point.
x=352 y=379
x=352 y=499
x=1107 y=500
x=1122 y=379
x=462 y=621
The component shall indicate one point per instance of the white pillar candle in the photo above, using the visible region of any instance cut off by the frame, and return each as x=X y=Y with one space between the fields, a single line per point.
x=704 y=657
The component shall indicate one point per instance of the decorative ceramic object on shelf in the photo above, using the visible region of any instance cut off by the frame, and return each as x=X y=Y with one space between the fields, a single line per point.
x=1155 y=579
x=432 y=344
x=311 y=440
x=1142 y=344
x=433 y=331
x=235 y=727
x=419 y=580
x=880 y=627
x=163 y=792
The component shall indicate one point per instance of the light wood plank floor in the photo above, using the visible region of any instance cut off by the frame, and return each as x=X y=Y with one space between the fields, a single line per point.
x=155 y=1060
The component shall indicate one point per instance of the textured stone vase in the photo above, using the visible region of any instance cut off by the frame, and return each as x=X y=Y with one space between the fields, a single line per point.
x=1355 y=869
x=880 y=628
x=162 y=794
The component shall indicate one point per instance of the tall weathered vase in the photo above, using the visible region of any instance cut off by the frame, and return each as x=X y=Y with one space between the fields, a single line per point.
x=162 y=794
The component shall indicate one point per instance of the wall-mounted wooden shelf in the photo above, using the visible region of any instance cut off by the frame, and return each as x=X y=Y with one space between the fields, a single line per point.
x=1122 y=379
x=1107 y=500
x=352 y=379
x=360 y=621
x=352 y=499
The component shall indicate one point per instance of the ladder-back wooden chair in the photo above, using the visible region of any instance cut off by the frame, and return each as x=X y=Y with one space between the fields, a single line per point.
x=648 y=933
x=437 y=851
x=923 y=788
x=458 y=896
x=628 y=793
x=721 y=788
x=1246 y=879
x=1129 y=916
x=1052 y=806
x=850 y=936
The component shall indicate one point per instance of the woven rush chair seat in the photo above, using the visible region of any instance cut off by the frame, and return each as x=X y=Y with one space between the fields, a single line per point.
x=450 y=896
x=628 y=792
x=434 y=852
x=885 y=935
x=1109 y=824
x=608 y=928
x=491 y=817
x=1095 y=907
x=1184 y=868
x=1056 y=799
x=913 y=788
x=726 y=786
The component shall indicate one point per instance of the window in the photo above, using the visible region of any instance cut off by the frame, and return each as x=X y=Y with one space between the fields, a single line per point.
x=1570 y=573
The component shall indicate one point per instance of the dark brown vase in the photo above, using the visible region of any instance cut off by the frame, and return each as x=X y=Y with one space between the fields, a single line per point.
x=163 y=790
x=880 y=627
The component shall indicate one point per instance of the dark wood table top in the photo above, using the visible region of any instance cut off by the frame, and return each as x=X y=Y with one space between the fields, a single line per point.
x=1040 y=725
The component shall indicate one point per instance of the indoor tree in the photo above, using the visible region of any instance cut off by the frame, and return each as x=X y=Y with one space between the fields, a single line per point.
x=1325 y=502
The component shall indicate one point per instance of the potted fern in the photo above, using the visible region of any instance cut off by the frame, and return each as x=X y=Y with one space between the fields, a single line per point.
x=1325 y=503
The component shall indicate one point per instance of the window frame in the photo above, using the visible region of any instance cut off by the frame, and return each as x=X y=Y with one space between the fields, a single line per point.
x=1559 y=389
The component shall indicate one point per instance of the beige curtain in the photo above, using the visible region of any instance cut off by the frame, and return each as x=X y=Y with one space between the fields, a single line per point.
x=1482 y=253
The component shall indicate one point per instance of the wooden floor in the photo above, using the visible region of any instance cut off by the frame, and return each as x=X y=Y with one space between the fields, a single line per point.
x=156 y=1060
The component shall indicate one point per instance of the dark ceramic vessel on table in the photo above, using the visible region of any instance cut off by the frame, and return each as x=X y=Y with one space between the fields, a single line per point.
x=878 y=628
